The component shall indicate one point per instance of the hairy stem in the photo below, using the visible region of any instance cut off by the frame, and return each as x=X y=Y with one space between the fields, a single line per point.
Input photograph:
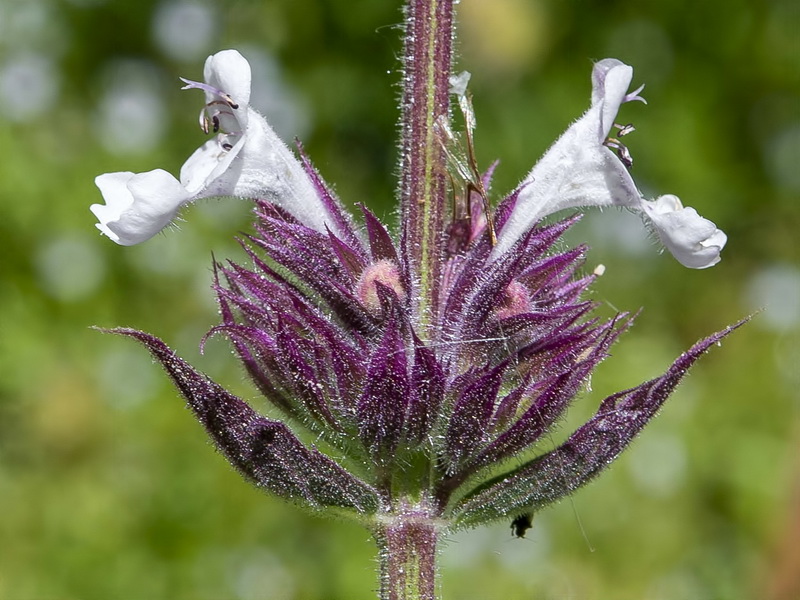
x=407 y=543
x=423 y=189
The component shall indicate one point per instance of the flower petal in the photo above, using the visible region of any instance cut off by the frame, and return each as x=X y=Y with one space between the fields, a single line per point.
x=693 y=240
x=265 y=168
x=247 y=159
x=209 y=171
x=229 y=72
x=611 y=79
x=137 y=206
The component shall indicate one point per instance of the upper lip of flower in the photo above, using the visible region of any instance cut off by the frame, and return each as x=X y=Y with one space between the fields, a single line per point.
x=580 y=169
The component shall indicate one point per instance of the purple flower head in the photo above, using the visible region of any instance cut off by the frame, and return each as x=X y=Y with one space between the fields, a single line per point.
x=424 y=367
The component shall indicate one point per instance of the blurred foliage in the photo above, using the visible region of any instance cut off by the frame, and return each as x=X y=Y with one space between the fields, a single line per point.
x=109 y=489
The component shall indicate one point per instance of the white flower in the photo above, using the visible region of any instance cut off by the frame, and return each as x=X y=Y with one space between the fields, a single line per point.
x=585 y=167
x=245 y=159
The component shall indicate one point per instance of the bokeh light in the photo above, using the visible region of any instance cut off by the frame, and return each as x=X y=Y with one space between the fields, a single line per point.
x=184 y=29
x=775 y=289
x=131 y=115
x=29 y=86
x=69 y=269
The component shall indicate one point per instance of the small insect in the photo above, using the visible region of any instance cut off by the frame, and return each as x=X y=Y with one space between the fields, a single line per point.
x=466 y=181
x=521 y=524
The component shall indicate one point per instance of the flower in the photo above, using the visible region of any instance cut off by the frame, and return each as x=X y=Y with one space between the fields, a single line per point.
x=581 y=169
x=428 y=367
x=245 y=159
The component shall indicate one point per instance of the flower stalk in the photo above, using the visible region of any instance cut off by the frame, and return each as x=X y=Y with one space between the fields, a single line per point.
x=407 y=545
x=423 y=187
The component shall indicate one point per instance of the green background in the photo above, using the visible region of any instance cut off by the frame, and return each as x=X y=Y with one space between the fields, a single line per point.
x=109 y=489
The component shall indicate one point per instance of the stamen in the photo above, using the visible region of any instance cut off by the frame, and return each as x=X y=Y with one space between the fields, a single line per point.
x=625 y=129
x=229 y=100
x=621 y=150
x=625 y=156
x=204 y=121
x=210 y=121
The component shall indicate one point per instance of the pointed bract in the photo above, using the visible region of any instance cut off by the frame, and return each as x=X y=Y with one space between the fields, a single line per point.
x=264 y=451
x=428 y=381
x=472 y=412
x=382 y=406
x=588 y=451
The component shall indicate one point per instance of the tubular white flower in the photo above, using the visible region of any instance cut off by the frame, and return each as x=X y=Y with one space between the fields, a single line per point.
x=582 y=170
x=246 y=159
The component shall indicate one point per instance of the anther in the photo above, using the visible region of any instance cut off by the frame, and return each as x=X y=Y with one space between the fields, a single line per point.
x=625 y=129
x=215 y=121
x=229 y=100
x=625 y=156
x=621 y=150
x=204 y=121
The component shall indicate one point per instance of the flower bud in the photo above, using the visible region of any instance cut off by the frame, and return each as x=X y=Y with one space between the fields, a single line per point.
x=384 y=272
